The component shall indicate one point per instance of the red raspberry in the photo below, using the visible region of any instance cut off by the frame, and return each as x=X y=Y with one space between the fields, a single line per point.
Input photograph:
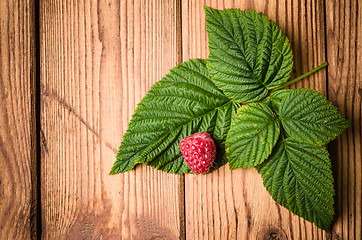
x=198 y=151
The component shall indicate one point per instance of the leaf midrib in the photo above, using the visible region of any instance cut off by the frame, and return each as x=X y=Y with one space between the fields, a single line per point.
x=308 y=122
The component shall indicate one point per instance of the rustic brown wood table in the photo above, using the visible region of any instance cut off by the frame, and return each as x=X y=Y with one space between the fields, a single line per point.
x=72 y=73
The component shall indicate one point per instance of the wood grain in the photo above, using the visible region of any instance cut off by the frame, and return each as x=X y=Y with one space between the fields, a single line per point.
x=18 y=178
x=344 y=32
x=98 y=59
x=234 y=204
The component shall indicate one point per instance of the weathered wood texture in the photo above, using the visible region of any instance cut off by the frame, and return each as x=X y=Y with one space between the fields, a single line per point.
x=344 y=52
x=18 y=189
x=98 y=59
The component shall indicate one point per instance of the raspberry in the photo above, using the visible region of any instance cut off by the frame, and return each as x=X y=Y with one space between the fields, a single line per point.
x=198 y=151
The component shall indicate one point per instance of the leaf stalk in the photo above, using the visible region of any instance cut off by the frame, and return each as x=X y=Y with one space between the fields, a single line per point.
x=323 y=65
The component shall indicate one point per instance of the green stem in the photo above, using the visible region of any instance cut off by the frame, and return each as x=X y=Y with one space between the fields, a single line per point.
x=323 y=65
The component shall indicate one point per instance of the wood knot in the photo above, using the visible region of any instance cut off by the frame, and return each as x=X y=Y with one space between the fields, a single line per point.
x=271 y=233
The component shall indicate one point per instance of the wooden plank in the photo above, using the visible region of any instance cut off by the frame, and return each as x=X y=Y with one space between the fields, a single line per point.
x=344 y=32
x=98 y=59
x=18 y=178
x=234 y=204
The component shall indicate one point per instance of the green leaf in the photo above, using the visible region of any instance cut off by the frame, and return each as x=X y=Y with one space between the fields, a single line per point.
x=253 y=132
x=185 y=101
x=308 y=116
x=299 y=177
x=277 y=97
x=249 y=55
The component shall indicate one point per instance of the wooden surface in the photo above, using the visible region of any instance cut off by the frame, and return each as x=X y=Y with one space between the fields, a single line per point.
x=97 y=61
x=344 y=52
x=18 y=150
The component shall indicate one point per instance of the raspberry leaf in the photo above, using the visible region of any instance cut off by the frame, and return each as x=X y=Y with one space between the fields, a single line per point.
x=185 y=101
x=299 y=177
x=253 y=132
x=249 y=55
x=278 y=96
x=308 y=116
